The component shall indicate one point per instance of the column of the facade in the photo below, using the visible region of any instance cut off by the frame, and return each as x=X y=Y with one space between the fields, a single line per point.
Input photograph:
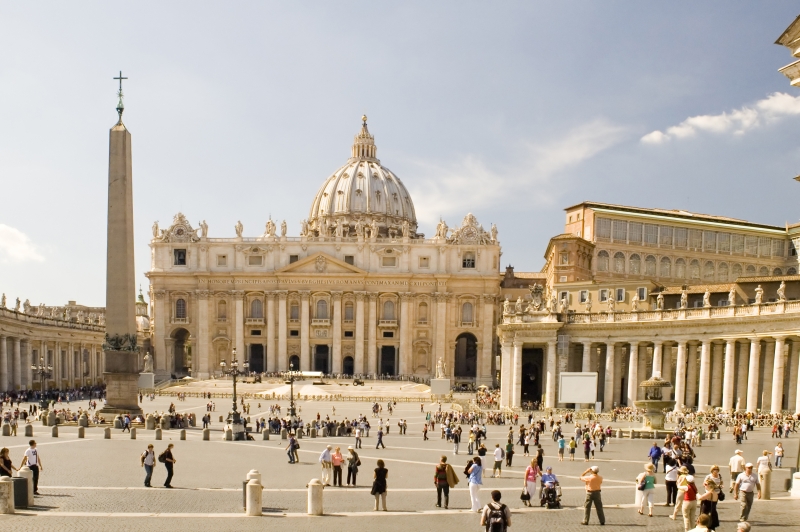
x=741 y=373
x=516 y=375
x=729 y=374
x=691 y=376
x=506 y=361
x=359 y=335
x=633 y=375
x=792 y=368
x=405 y=334
x=641 y=374
x=777 y=375
x=56 y=373
x=337 y=332
x=160 y=324
x=658 y=359
x=485 y=356
x=441 y=327
x=680 y=376
x=305 y=331
x=717 y=365
x=271 y=352
x=202 y=346
x=550 y=382
x=281 y=356
x=797 y=385
x=3 y=363
x=238 y=320
x=619 y=352
x=587 y=356
x=372 y=336
x=91 y=349
x=752 y=375
x=608 y=390
x=666 y=370
x=705 y=375
x=17 y=362
x=766 y=376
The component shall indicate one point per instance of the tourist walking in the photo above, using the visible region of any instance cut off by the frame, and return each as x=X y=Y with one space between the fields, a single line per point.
x=529 y=481
x=380 y=439
x=715 y=477
x=736 y=465
x=168 y=460
x=327 y=465
x=444 y=479
x=290 y=449
x=655 y=454
x=456 y=441
x=681 y=486
x=498 y=461
x=496 y=516
x=747 y=483
x=561 y=444
x=671 y=481
x=475 y=482
x=336 y=460
x=34 y=461
x=708 y=503
x=646 y=483
x=763 y=467
x=148 y=460
x=689 y=508
x=6 y=467
x=358 y=437
x=352 y=465
x=779 y=455
x=379 y=485
x=509 y=452
x=594 y=483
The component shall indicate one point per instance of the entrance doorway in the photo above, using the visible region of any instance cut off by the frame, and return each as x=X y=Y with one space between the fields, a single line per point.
x=294 y=363
x=386 y=364
x=182 y=363
x=466 y=356
x=321 y=358
x=348 y=366
x=531 y=381
x=257 y=358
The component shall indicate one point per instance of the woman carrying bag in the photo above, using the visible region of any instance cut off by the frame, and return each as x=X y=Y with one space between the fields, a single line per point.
x=529 y=482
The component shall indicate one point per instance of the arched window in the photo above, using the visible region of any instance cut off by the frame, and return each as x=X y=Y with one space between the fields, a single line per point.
x=602 y=261
x=322 y=309
x=750 y=270
x=722 y=272
x=635 y=267
x=256 y=309
x=422 y=313
x=680 y=269
x=763 y=271
x=294 y=311
x=348 y=311
x=180 y=309
x=222 y=310
x=619 y=262
x=666 y=267
x=777 y=271
x=694 y=269
x=388 y=310
x=650 y=265
x=736 y=271
x=466 y=312
x=708 y=271
x=791 y=271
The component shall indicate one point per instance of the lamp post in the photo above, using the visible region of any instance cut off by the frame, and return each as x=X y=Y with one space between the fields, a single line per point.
x=43 y=371
x=237 y=427
x=292 y=413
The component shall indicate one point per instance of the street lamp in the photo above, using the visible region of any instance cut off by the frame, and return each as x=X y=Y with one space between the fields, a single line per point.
x=44 y=371
x=292 y=413
x=237 y=427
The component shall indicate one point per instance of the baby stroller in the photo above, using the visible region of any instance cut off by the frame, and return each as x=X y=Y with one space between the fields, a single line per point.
x=551 y=495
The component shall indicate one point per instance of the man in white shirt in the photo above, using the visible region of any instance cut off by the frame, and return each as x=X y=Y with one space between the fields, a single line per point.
x=498 y=461
x=148 y=460
x=747 y=483
x=327 y=465
x=358 y=437
x=737 y=466
x=34 y=462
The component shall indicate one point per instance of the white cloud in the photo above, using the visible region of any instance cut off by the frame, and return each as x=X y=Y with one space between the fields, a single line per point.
x=16 y=246
x=450 y=188
x=775 y=107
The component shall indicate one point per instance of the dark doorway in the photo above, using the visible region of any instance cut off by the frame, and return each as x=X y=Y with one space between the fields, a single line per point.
x=387 y=360
x=181 y=353
x=294 y=363
x=348 y=366
x=321 y=358
x=466 y=356
x=531 y=382
x=257 y=358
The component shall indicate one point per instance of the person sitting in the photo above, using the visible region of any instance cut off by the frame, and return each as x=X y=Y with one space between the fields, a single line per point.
x=551 y=490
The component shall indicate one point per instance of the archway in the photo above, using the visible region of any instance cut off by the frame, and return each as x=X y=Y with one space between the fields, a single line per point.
x=321 y=358
x=531 y=382
x=294 y=363
x=386 y=364
x=257 y=358
x=182 y=360
x=466 y=356
x=348 y=366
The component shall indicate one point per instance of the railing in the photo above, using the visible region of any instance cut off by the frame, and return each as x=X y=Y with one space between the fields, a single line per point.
x=387 y=323
x=180 y=320
x=254 y=321
x=321 y=322
x=50 y=322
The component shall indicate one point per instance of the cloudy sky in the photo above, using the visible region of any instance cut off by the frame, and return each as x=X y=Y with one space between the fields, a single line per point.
x=509 y=110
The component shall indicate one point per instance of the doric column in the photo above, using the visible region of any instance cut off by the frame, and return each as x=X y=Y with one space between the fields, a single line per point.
x=57 y=369
x=705 y=374
x=305 y=331
x=797 y=383
x=641 y=375
x=485 y=356
x=620 y=352
x=586 y=361
x=17 y=363
x=792 y=368
x=506 y=362
x=658 y=358
x=717 y=365
x=281 y=356
x=691 y=376
x=238 y=320
x=516 y=375
x=337 y=332
x=441 y=327
x=752 y=375
x=778 y=374
x=3 y=363
x=680 y=376
x=766 y=377
x=666 y=369
x=69 y=364
x=372 y=336
x=608 y=390
x=729 y=374
x=405 y=333
x=741 y=373
x=202 y=349
x=550 y=384
x=359 y=361
x=633 y=375
x=271 y=353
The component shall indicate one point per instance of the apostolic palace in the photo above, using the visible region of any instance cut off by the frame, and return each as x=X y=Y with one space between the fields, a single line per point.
x=709 y=303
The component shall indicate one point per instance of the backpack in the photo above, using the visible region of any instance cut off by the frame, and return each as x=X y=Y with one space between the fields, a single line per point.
x=496 y=519
x=163 y=457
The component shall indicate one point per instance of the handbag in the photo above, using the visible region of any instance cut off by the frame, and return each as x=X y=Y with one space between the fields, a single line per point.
x=642 y=484
x=721 y=496
x=525 y=496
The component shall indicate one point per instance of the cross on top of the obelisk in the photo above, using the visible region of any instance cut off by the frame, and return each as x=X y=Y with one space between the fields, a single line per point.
x=120 y=105
x=120 y=78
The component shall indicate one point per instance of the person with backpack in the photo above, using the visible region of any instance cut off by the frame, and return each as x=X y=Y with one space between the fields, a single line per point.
x=168 y=460
x=496 y=517
x=148 y=460
x=444 y=479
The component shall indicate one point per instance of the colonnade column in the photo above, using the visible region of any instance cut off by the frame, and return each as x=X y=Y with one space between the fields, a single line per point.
x=281 y=355
x=717 y=365
x=691 y=376
x=777 y=375
x=372 y=338
x=741 y=373
x=752 y=375
x=516 y=378
x=666 y=369
x=359 y=351
x=506 y=361
x=705 y=374
x=271 y=354
x=633 y=375
x=657 y=359
x=766 y=376
x=485 y=375
x=550 y=384
x=160 y=319
x=608 y=389
x=619 y=353
x=729 y=374
x=405 y=334
x=797 y=387
x=3 y=363
x=680 y=377
x=793 y=368
x=17 y=362
x=305 y=347
x=337 y=332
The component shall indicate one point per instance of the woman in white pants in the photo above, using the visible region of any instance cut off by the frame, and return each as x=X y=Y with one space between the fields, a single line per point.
x=475 y=482
x=647 y=480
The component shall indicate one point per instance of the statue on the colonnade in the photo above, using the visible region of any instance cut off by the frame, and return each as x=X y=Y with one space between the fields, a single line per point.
x=612 y=303
x=3 y=301
x=16 y=306
x=204 y=226
x=283 y=228
x=782 y=291
x=518 y=305
x=707 y=298
x=759 y=295
x=155 y=229
x=270 y=229
x=238 y=228
x=304 y=228
x=148 y=363
x=441 y=229
x=493 y=232
x=506 y=307
x=732 y=296
x=660 y=301
x=588 y=302
x=27 y=306
x=635 y=302
x=684 y=298
x=439 y=369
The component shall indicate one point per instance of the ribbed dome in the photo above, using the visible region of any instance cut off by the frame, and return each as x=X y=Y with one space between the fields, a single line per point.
x=362 y=190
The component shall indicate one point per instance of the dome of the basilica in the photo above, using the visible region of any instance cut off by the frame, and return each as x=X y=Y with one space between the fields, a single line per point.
x=362 y=195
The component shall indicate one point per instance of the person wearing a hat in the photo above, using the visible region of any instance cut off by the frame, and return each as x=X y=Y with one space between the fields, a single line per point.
x=646 y=482
x=689 y=508
x=746 y=483
x=681 y=485
x=593 y=484
x=352 y=465
x=737 y=466
x=327 y=465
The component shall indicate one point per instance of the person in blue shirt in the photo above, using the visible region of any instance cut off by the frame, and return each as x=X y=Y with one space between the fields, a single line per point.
x=561 y=444
x=549 y=477
x=655 y=454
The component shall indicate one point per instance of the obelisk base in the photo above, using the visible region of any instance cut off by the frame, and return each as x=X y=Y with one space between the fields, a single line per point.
x=122 y=383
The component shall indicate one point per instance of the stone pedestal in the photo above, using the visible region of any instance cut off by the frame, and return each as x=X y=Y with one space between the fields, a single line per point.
x=122 y=387
x=795 y=492
x=254 y=498
x=26 y=472
x=315 y=488
x=440 y=387
x=147 y=381
x=6 y=495
x=765 y=478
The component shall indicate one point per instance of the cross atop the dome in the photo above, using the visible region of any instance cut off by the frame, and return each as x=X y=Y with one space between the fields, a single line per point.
x=363 y=117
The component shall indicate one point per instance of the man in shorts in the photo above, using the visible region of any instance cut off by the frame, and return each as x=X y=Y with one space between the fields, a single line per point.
x=561 y=444
x=572 y=446
x=498 y=461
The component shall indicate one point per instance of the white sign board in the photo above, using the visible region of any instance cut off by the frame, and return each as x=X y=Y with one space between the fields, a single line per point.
x=577 y=387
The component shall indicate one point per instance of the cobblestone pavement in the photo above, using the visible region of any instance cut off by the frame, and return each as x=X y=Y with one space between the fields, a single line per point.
x=89 y=483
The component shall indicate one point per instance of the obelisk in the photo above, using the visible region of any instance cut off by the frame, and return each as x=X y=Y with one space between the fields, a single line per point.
x=121 y=365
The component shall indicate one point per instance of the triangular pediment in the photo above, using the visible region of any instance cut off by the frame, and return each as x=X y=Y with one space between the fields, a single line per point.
x=321 y=264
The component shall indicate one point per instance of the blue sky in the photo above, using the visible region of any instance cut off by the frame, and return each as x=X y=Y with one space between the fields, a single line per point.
x=509 y=110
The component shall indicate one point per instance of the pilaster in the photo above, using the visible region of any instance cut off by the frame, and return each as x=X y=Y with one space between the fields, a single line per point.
x=359 y=334
x=282 y=356
x=337 y=332
x=305 y=347
x=271 y=354
x=550 y=383
x=372 y=335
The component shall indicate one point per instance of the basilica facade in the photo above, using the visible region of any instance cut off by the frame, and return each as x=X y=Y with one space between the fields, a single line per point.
x=359 y=291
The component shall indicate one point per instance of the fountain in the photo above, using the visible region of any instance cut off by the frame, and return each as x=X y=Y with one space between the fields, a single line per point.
x=654 y=403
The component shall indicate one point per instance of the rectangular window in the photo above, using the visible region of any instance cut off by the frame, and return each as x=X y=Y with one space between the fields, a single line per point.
x=603 y=230
x=180 y=257
x=562 y=279
x=349 y=259
x=348 y=312
x=737 y=244
x=751 y=245
x=293 y=258
x=563 y=295
x=634 y=232
x=584 y=296
x=564 y=258
x=642 y=293
x=680 y=237
x=348 y=334
x=222 y=260
x=665 y=236
x=468 y=260
x=695 y=239
x=709 y=241
x=294 y=332
x=650 y=235
x=388 y=334
x=777 y=247
x=255 y=332
x=764 y=246
x=255 y=260
x=603 y=296
x=424 y=262
x=724 y=242
x=388 y=262
x=620 y=294
x=620 y=231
